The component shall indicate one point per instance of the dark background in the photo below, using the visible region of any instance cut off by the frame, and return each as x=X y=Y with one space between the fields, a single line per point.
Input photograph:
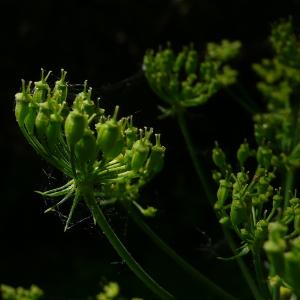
x=104 y=41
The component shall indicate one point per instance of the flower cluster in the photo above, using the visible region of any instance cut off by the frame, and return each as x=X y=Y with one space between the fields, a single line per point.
x=255 y=210
x=264 y=217
x=19 y=293
x=280 y=87
x=108 y=152
x=185 y=79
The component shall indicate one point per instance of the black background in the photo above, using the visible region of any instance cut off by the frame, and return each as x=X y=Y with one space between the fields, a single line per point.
x=104 y=41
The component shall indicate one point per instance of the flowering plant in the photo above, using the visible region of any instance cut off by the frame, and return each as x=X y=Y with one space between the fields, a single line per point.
x=107 y=159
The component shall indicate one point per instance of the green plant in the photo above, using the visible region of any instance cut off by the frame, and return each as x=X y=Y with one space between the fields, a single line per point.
x=107 y=159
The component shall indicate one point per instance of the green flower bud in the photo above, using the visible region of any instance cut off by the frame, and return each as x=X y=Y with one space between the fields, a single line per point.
x=75 y=126
x=22 y=103
x=109 y=138
x=174 y=86
x=31 y=116
x=156 y=158
x=222 y=193
x=238 y=213
x=42 y=120
x=243 y=153
x=180 y=60
x=294 y=202
x=264 y=156
x=275 y=254
x=277 y=201
x=218 y=157
x=140 y=151
x=60 y=90
x=261 y=232
x=85 y=148
x=292 y=270
x=41 y=89
x=216 y=176
x=130 y=133
x=53 y=130
x=149 y=212
x=225 y=221
x=191 y=62
x=276 y=231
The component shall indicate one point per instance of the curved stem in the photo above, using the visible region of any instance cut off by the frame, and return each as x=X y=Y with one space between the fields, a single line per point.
x=211 y=198
x=87 y=193
x=215 y=289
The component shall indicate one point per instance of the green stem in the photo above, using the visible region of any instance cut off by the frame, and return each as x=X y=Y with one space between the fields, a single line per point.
x=243 y=267
x=196 y=162
x=244 y=101
x=261 y=280
x=276 y=292
x=87 y=192
x=211 y=198
x=215 y=289
x=288 y=186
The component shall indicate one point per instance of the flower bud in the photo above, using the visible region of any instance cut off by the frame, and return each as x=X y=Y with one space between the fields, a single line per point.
x=264 y=156
x=238 y=213
x=85 y=148
x=225 y=221
x=41 y=88
x=130 y=133
x=191 y=62
x=140 y=150
x=109 y=137
x=275 y=254
x=180 y=60
x=243 y=153
x=292 y=270
x=42 y=120
x=217 y=176
x=156 y=158
x=53 y=130
x=222 y=193
x=31 y=116
x=22 y=103
x=261 y=232
x=277 y=201
x=218 y=157
x=60 y=90
x=75 y=125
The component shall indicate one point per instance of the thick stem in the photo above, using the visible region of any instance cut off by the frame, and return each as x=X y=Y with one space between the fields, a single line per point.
x=87 y=192
x=288 y=186
x=185 y=266
x=261 y=280
x=276 y=292
x=211 y=198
